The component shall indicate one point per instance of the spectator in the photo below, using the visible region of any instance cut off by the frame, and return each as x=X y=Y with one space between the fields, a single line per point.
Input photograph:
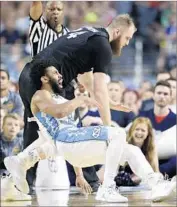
x=173 y=72
x=119 y=118
x=141 y=135
x=147 y=97
x=131 y=100
x=11 y=143
x=10 y=101
x=144 y=86
x=172 y=83
x=147 y=100
x=87 y=116
x=10 y=35
x=80 y=112
x=163 y=119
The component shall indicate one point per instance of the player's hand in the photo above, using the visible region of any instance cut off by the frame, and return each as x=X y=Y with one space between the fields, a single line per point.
x=90 y=102
x=121 y=107
x=83 y=184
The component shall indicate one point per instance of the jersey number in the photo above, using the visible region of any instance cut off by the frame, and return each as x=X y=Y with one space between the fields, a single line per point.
x=75 y=34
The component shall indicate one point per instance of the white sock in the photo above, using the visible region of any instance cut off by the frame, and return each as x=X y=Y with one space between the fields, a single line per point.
x=117 y=141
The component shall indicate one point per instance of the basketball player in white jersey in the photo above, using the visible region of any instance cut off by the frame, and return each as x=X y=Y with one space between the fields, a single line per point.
x=82 y=147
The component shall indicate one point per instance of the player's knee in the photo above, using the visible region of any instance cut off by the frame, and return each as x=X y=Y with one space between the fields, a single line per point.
x=118 y=134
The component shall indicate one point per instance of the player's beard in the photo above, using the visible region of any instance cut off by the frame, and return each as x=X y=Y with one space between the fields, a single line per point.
x=116 y=46
x=55 y=87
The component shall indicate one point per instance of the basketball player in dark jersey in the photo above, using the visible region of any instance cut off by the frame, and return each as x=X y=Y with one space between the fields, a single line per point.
x=84 y=54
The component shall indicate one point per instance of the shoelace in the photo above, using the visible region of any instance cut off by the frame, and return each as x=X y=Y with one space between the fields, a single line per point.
x=164 y=179
x=6 y=176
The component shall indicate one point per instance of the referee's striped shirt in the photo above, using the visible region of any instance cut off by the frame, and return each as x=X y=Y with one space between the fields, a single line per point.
x=41 y=35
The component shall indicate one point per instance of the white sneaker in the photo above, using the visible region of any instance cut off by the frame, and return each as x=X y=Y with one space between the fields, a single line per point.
x=10 y=193
x=18 y=171
x=174 y=179
x=6 y=182
x=110 y=194
x=163 y=190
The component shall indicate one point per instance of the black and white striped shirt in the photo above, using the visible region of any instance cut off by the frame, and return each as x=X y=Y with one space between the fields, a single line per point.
x=41 y=35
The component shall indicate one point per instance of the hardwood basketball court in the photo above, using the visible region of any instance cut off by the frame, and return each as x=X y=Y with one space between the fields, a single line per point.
x=74 y=197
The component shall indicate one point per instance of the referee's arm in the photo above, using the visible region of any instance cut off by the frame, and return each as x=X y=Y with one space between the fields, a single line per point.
x=36 y=10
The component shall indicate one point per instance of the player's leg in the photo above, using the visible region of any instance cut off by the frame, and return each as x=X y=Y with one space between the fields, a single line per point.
x=88 y=147
x=30 y=129
x=18 y=165
x=117 y=141
x=9 y=192
x=161 y=189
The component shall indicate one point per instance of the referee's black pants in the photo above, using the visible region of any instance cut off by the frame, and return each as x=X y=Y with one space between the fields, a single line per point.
x=26 y=90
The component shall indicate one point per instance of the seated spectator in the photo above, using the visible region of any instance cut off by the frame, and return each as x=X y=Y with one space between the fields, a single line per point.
x=10 y=35
x=172 y=82
x=10 y=101
x=141 y=135
x=87 y=116
x=119 y=118
x=163 y=120
x=144 y=86
x=131 y=100
x=11 y=142
x=81 y=111
x=147 y=100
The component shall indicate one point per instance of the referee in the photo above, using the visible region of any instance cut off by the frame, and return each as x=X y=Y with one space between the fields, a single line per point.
x=44 y=29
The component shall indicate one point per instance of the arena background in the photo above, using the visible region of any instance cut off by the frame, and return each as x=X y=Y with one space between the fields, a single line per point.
x=151 y=50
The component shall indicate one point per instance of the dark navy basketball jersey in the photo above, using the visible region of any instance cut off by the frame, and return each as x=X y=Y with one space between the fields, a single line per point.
x=79 y=51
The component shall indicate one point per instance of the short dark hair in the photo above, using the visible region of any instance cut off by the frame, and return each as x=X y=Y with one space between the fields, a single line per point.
x=171 y=79
x=5 y=71
x=163 y=83
x=38 y=69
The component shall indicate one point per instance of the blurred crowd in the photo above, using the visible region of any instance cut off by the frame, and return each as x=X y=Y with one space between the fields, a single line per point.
x=158 y=32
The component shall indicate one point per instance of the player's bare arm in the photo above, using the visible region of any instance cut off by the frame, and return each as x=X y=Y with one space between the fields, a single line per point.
x=101 y=95
x=42 y=101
